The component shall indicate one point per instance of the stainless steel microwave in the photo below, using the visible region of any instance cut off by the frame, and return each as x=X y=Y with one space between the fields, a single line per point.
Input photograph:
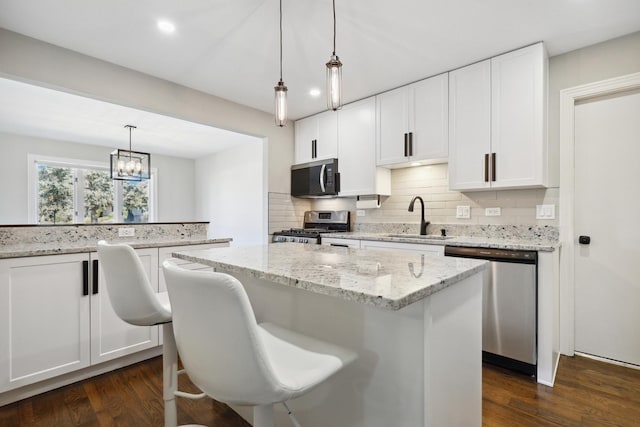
x=315 y=179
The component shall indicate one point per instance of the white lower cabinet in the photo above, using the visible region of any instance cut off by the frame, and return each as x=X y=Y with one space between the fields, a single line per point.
x=405 y=247
x=111 y=337
x=382 y=245
x=345 y=243
x=45 y=318
x=56 y=317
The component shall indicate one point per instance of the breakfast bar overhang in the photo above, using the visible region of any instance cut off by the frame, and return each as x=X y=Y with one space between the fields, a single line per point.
x=414 y=320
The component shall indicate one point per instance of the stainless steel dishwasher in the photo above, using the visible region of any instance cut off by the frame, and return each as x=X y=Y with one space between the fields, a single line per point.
x=509 y=306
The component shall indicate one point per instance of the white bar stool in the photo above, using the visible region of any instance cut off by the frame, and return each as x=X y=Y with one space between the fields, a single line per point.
x=231 y=357
x=135 y=302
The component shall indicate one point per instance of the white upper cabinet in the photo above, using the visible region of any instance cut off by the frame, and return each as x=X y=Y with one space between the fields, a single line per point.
x=497 y=122
x=469 y=126
x=518 y=117
x=316 y=137
x=359 y=174
x=413 y=123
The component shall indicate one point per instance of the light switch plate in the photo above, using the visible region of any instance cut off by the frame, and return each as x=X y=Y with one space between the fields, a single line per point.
x=126 y=232
x=492 y=212
x=545 y=211
x=360 y=212
x=463 y=212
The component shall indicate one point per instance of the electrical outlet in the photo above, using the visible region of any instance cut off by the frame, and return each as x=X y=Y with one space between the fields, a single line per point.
x=492 y=212
x=126 y=232
x=360 y=212
x=545 y=211
x=463 y=212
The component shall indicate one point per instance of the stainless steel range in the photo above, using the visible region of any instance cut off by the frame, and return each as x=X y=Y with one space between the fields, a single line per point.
x=315 y=224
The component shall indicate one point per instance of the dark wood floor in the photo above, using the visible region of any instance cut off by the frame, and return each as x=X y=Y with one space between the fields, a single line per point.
x=587 y=393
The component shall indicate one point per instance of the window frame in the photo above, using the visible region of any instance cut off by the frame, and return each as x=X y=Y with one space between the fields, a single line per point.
x=78 y=205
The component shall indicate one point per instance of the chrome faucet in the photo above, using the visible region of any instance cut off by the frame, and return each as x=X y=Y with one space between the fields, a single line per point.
x=423 y=223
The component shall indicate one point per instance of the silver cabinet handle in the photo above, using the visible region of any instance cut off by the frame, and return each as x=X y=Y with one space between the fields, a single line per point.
x=322 y=170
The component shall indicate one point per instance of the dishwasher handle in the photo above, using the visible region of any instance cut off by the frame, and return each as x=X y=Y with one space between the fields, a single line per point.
x=492 y=254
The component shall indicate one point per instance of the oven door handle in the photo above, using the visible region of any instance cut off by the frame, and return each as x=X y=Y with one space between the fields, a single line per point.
x=322 y=172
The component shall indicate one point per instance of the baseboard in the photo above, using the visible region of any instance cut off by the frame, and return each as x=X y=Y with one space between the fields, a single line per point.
x=605 y=360
x=30 y=390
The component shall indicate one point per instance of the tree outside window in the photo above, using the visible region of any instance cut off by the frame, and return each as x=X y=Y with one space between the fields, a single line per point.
x=98 y=197
x=55 y=189
x=135 y=201
x=70 y=192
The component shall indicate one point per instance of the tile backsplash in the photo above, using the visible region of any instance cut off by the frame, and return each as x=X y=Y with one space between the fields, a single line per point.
x=286 y=212
x=518 y=207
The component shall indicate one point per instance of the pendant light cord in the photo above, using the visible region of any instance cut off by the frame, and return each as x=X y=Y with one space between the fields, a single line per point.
x=334 y=27
x=280 y=40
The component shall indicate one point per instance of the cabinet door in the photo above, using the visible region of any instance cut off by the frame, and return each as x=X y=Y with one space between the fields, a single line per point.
x=403 y=247
x=327 y=141
x=392 y=115
x=518 y=85
x=319 y=131
x=469 y=126
x=429 y=118
x=346 y=243
x=359 y=174
x=306 y=130
x=44 y=318
x=110 y=336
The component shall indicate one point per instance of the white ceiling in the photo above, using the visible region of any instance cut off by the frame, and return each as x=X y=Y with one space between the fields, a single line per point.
x=230 y=48
x=36 y=111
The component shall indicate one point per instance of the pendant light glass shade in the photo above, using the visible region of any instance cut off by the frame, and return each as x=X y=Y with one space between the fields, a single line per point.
x=281 y=104
x=280 y=88
x=128 y=165
x=334 y=73
x=334 y=83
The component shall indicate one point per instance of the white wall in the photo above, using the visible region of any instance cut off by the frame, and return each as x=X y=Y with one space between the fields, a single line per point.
x=175 y=186
x=232 y=195
x=612 y=58
x=36 y=62
x=432 y=184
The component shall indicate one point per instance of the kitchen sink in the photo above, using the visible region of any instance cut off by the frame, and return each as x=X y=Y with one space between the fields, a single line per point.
x=418 y=236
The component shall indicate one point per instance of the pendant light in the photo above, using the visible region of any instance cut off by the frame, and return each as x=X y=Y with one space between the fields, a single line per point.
x=334 y=73
x=128 y=165
x=281 y=89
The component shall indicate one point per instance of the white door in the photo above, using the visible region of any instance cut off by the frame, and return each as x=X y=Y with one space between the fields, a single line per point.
x=607 y=204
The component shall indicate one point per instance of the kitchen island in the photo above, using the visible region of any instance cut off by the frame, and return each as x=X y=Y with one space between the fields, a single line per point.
x=413 y=319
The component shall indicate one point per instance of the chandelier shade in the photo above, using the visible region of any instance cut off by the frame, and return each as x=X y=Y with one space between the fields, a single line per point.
x=129 y=165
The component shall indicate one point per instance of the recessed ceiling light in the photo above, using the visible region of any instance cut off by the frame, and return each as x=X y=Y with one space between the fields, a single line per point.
x=166 y=27
x=315 y=92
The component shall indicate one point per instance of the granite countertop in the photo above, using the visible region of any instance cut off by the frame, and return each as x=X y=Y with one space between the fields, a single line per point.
x=540 y=244
x=388 y=280
x=57 y=248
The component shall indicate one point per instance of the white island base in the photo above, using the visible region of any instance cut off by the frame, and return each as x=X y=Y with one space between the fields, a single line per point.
x=417 y=366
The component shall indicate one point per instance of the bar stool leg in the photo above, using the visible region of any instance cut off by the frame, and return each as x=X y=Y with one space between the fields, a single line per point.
x=263 y=416
x=169 y=375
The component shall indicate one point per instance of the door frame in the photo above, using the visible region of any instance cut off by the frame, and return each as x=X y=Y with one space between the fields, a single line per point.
x=568 y=99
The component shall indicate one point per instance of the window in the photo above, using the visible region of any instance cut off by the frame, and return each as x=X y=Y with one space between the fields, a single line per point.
x=69 y=191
